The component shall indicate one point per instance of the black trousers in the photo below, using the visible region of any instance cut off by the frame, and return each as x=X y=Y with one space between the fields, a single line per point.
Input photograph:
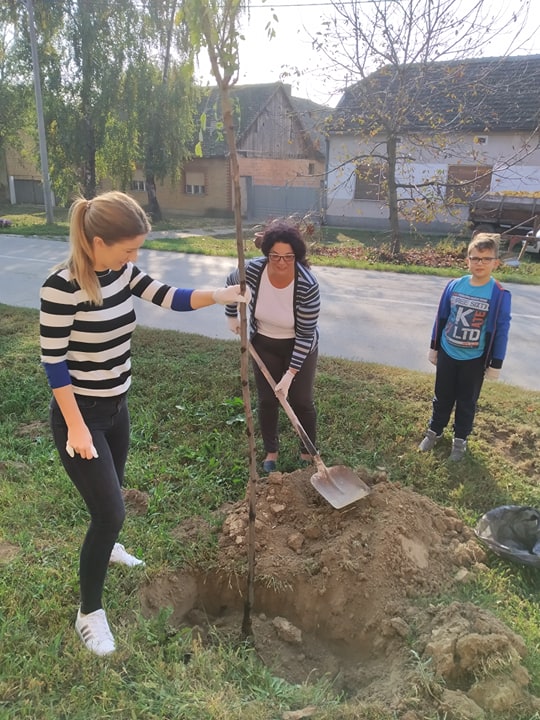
x=276 y=355
x=99 y=482
x=457 y=384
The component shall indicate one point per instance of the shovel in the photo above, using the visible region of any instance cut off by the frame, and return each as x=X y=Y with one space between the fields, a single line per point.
x=338 y=484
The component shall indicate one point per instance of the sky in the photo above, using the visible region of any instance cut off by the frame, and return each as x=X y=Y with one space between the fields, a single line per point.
x=264 y=60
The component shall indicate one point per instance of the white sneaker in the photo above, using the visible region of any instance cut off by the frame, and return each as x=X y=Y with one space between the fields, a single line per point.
x=94 y=631
x=120 y=555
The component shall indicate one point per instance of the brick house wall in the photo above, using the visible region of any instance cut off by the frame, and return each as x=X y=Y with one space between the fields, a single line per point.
x=216 y=200
x=271 y=171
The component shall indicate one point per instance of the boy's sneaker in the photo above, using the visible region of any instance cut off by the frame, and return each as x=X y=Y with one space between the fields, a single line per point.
x=459 y=447
x=121 y=556
x=94 y=631
x=429 y=442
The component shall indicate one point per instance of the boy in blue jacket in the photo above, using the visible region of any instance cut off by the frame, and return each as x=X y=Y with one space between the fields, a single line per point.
x=468 y=343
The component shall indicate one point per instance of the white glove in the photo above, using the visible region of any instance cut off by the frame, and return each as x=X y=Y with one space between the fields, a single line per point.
x=492 y=373
x=284 y=384
x=234 y=324
x=71 y=452
x=432 y=356
x=230 y=295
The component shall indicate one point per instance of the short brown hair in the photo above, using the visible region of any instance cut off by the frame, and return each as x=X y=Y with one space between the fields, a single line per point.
x=281 y=231
x=485 y=241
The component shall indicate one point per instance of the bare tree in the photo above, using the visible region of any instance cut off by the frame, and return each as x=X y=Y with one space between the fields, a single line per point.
x=214 y=24
x=413 y=92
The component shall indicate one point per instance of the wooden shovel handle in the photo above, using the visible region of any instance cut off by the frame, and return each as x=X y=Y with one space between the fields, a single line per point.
x=285 y=404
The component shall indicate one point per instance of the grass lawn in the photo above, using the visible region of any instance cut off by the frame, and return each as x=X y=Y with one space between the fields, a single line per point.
x=188 y=455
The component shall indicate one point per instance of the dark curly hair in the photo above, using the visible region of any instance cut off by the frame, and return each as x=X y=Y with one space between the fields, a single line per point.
x=284 y=232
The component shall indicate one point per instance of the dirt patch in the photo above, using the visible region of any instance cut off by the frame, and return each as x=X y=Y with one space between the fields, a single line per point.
x=136 y=502
x=13 y=470
x=35 y=429
x=7 y=552
x=338 y=594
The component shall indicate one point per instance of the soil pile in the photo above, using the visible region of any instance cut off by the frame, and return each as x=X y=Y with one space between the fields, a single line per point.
x=341 y=594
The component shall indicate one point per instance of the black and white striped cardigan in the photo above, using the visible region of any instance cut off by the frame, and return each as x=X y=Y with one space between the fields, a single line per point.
x=306 y=306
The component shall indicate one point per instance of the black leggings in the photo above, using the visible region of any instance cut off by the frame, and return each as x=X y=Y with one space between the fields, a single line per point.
x=457 y=382
x=99 y=482
x=276 y=355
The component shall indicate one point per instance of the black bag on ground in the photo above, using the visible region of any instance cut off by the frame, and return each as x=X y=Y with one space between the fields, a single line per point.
x=512 y=532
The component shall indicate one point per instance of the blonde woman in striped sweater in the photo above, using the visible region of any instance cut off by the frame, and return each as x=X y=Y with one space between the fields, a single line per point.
x=87 y=318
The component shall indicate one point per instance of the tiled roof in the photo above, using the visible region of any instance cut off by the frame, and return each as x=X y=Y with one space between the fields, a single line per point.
x=313 y=117
x=481 y=94
x=248 y=101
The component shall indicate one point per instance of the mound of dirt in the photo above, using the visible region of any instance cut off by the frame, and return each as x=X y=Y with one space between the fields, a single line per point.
x=339 y=594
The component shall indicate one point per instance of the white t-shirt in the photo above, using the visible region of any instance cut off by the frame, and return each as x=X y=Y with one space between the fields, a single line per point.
x=274 y=309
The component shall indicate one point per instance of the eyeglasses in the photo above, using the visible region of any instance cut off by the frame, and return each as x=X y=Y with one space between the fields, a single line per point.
x=481 y=260
x=276 y=257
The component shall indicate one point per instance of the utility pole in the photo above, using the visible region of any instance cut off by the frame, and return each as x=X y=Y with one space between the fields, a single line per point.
x=39 y=110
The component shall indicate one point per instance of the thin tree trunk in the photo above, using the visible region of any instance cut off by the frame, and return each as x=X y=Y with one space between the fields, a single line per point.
x=223 y=81
x=90 y=184
x=244 y=359
x=153 y=209
x=393 y=206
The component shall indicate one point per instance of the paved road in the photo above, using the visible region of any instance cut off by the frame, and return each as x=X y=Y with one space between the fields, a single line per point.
x=366 y=315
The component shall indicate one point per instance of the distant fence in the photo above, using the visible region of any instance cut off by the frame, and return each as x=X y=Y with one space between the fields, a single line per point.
x=26 y=192
x=266 y=201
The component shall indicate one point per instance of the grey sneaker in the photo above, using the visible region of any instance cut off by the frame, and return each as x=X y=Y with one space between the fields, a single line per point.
x=94 y=631
x=459 y=447
x=429 y=442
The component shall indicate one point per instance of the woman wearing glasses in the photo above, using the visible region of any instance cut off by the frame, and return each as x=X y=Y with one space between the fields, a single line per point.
x=283 y=329
x=468 y=343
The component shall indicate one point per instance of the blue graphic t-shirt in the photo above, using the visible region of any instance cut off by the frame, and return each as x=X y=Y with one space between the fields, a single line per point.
x=465 y=331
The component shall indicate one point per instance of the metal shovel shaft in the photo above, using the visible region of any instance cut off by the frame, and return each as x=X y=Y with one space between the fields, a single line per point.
x=285 y=404
x=339 y=485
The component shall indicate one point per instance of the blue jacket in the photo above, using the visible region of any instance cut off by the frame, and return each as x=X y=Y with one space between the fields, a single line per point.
x=498 y=323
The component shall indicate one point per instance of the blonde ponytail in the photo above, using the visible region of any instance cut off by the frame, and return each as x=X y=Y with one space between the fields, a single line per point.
x=113 y=216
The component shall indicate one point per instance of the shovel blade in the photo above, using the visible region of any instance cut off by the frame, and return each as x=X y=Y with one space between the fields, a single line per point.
x=339 y=486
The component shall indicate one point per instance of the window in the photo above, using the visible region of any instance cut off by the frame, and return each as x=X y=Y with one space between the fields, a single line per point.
x=464 y=181
x=138 y=185
x=311 y=169
x=194 y=189
x=195 y=183
x=370 y=182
